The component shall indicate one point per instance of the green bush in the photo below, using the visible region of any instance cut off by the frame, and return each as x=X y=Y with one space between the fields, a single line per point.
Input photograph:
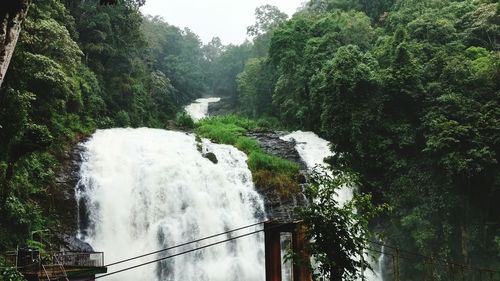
x=220 y=132
x=10 y=274
x=262 y=161
x=268 y=123
x=183 y=120
x=122 y=119
x=247 y=144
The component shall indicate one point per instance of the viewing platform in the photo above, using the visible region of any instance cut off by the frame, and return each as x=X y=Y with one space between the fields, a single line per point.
x=77 y=266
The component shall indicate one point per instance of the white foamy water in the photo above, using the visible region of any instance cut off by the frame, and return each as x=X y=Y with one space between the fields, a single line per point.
x=199 y=109
x=148 y=189
x=313 y=150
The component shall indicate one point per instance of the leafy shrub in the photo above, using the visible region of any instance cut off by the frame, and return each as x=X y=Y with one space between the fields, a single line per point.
x=183 y=120
x=247 y=144
x=122 y=119
x=10 y=274
x=261 y=161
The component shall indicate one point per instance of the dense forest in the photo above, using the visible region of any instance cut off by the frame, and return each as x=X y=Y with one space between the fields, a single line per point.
x=78 y=66
x=406 y=91
x=408 y=94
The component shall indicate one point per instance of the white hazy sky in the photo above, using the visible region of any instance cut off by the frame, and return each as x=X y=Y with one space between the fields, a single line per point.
x=227 y=19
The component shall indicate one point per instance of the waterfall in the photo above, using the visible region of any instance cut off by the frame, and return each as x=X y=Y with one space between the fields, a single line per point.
x=199 y=109
x=313 y=150
x=148 y=189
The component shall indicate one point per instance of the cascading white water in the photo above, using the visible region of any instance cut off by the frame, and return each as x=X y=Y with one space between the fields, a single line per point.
x=313 y=150
x=148 y=189
x=199 y=109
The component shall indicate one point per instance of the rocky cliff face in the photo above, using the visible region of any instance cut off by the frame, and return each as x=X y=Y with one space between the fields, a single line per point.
x=67 y=179
x=279 y=206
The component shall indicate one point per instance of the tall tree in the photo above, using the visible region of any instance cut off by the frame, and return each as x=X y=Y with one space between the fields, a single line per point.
x=12 y=16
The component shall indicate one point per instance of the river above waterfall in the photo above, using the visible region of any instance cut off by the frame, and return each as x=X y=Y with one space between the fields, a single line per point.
x=199 y=108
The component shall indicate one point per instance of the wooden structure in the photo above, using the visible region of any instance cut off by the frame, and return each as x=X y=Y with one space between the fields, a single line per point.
x=67 y=266
x=272 y=233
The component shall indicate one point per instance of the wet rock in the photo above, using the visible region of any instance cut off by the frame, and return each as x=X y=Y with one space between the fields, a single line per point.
x=278 y=205
x=73 y=244
x=66 y=180
x=211 y=156
x=272 y=144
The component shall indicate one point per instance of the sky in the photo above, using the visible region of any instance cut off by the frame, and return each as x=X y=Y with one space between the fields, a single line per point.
x=227 y=19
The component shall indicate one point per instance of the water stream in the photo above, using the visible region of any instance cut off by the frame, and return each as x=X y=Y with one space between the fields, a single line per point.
x=199 y=108
x=313 y=150
x=148 y=189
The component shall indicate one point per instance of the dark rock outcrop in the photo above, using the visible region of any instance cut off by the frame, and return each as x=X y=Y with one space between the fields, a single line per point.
x=280 y=205
x=211 y=156
x=272 y=144
x=73 y=244
x=66 y=180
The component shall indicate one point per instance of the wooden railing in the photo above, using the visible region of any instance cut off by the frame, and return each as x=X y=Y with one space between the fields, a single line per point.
x=79 y=259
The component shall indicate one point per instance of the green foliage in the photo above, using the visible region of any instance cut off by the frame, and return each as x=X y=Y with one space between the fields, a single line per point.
x=338 y=231
x=298 y=50
x=177 y=56
x=268 y=17
x=79 y=66
x=255 y=88
x=261 y=161
x=11 y=274
x=183 y=120
x=122 y=119
x=407 y=93
x=225 y=69
x=497 y=241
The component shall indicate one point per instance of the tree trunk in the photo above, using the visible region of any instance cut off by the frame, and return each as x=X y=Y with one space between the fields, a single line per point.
x=12 y=14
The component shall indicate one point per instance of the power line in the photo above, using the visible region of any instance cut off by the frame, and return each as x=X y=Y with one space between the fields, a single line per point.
x=271 y=227
x=432 y=258
x=192 y=250
x=178 y=254
x=186 y=243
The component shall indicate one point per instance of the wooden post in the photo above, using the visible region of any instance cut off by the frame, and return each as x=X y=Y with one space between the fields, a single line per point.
x=273 y=251
x=300 y=249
